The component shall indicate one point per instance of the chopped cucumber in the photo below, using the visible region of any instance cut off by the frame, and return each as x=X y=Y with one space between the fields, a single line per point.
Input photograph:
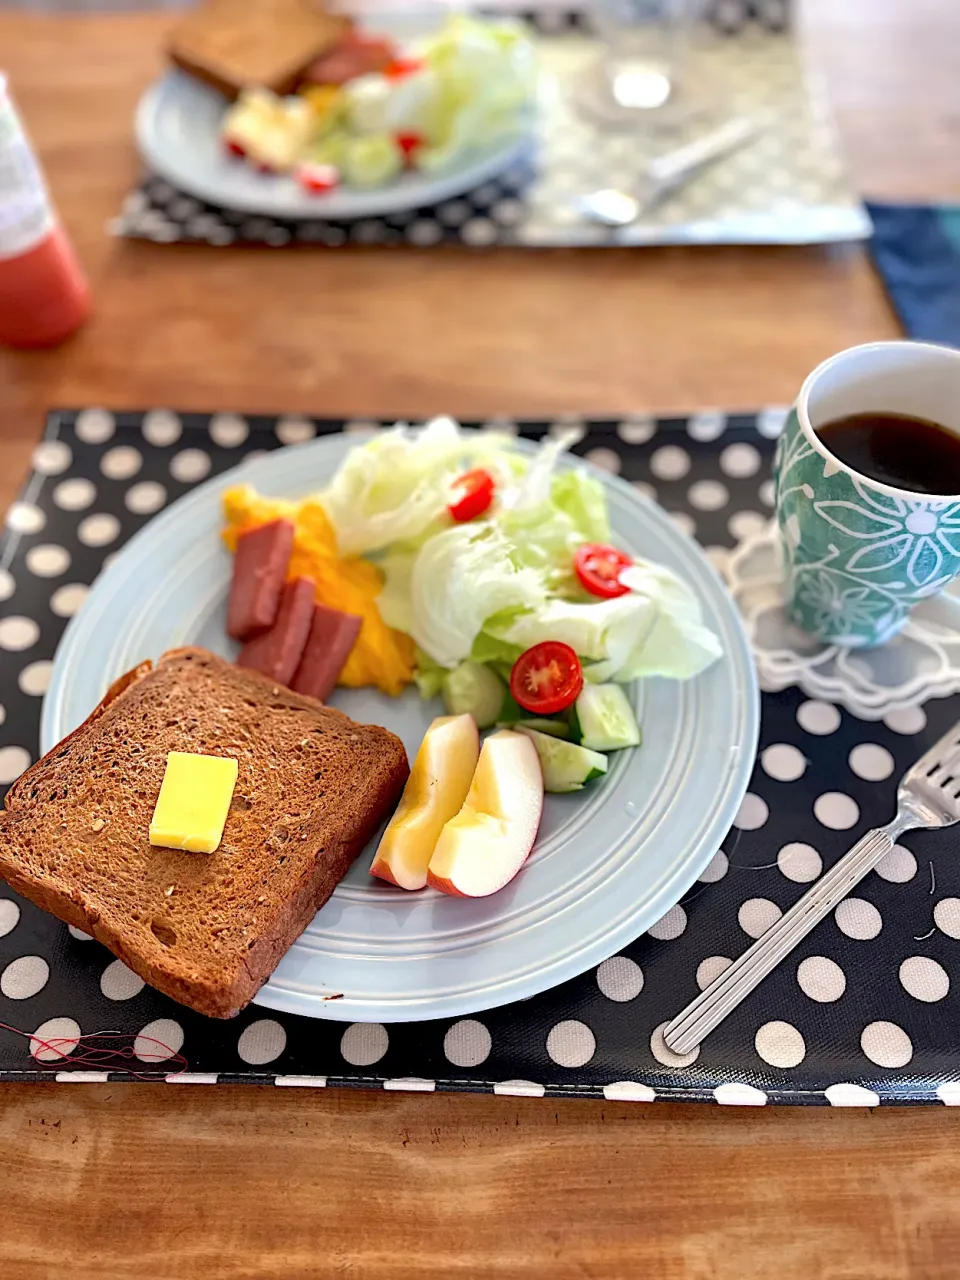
x=473 y=689
x=555 y=728
x=566 y=767
x=429 y=682
x=605 y=718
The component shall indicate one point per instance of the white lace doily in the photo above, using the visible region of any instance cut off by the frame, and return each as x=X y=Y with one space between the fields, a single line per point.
x=922 y=662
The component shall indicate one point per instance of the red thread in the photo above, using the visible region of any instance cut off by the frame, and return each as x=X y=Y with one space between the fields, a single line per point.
x=95 y=1055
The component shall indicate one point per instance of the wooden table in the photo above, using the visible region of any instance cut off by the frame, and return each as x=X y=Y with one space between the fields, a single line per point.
x=172 y=1184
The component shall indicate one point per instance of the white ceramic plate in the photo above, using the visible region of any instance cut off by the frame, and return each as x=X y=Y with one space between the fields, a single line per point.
x=608 y=861
x=178 y=134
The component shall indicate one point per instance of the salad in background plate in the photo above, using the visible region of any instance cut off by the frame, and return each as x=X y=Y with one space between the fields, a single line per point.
x=371 y=109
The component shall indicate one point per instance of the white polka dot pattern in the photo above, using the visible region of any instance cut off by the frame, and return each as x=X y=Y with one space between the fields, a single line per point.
x=262 y=1042
x=858 y=919
x=620 y=979
x=946 y=916
x=571 y=1044
x=54 y=1039
x=924 y=979
x=47 y=560
x=117 y=982
x=669 y=926
x=836 y=811
x=121 y=463
x=710 y=969
x=752 y=814
x=24 y=517
x=162 y=428
x=467 y=1043
x=364 y=1043
x=821 y=979
x=670 y=463
x=783 y=762
x=24 y=977
x=74 y=495
x=898 y=866
x=158 y=1040
x=780 y=1044
x=799 y=862
x=9 y=916
x=819 y=718
x=886 y=1044
x=189 y=466
x=757 y=915
x=871 y=762
x=51 y=457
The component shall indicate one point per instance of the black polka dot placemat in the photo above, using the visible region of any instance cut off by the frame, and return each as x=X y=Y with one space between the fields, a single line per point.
x=866 y=1010
x=788 y=186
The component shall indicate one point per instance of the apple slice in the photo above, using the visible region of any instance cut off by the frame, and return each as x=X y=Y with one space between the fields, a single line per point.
x=435 y=792
x=487 y=843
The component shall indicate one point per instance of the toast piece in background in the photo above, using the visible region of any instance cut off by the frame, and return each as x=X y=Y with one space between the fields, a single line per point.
x=206 y=929
x=237 y=44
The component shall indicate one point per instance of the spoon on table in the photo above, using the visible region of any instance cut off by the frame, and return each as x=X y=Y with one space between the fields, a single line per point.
x=666 y=174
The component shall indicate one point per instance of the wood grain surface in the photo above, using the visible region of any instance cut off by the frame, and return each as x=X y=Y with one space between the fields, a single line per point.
x=172 y=1183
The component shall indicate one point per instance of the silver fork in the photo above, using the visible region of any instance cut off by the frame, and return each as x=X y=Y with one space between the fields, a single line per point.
x=928 y=797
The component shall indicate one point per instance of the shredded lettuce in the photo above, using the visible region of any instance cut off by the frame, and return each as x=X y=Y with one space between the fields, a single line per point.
x=489 y=589
x=460 y=578
x=395 y=489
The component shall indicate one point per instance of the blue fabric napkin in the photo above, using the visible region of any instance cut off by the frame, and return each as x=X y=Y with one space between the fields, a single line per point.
x=916 y=249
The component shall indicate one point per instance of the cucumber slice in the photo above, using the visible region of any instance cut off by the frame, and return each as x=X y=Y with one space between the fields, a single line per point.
x=554 y=728
x=566 y=767
x=605 y=718
x=473 y=689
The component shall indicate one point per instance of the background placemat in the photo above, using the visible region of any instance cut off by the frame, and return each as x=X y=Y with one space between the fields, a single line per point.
x=788 y=187
x=866 y=1010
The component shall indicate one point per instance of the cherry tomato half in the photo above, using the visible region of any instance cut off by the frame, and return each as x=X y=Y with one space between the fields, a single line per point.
x=401 y=67
x=472 y=495
x=409 y=144
x=547 y=678
x=317 y=179
x=599 y=567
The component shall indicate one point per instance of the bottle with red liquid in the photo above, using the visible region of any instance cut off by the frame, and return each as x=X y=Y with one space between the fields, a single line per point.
x=44 y=295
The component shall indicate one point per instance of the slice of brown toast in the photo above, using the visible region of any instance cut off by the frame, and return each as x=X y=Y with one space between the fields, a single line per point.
x=233 y=44
x=206 y=929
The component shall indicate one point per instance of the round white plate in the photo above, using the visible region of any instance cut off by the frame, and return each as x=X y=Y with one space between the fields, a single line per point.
x=178 y=134
x=608 y=861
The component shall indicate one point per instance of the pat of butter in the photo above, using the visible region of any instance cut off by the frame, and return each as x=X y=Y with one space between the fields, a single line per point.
x=194 y=798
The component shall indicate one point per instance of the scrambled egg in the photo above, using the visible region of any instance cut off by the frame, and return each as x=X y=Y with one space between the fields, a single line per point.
x=381 y=656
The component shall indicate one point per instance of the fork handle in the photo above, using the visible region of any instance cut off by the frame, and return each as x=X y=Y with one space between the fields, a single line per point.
x=726 y=992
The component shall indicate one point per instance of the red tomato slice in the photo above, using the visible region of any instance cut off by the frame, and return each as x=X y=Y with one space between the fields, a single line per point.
x=599 y=567
x=315 y=179
x=547 y=678
x=234 y=148
x=401 y=67
x=409 y=144
x=473 y=494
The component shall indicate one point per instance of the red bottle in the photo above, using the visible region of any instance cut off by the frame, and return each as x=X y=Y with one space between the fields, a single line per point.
x=44 y=295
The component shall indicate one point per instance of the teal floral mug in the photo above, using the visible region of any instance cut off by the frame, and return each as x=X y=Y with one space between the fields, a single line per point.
x=858 y=554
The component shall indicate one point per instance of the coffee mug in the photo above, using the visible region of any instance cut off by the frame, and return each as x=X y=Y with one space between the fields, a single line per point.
x=859 y=554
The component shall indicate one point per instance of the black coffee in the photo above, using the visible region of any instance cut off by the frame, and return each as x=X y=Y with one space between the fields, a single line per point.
x=907 y=453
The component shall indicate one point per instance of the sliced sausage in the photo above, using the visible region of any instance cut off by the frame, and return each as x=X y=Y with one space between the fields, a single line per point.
x=277 y=652
x=356 y=55
x=332 y=636
x=259 y=568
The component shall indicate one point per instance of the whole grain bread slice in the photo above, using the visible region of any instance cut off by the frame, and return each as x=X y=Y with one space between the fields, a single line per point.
x=233 y=44
x=206 y=929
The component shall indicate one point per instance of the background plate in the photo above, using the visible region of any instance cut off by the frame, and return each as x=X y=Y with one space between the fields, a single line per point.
x=606 y=865
x=178 y=133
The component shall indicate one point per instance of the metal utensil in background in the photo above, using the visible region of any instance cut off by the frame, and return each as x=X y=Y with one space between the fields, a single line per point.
x=928 y=797
x=666 y=174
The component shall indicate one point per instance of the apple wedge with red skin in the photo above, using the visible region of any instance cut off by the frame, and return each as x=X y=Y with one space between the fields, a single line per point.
x=435 y=792
x=485 y=845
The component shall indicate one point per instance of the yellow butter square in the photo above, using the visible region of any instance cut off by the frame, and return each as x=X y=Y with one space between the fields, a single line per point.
x=193 y=802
